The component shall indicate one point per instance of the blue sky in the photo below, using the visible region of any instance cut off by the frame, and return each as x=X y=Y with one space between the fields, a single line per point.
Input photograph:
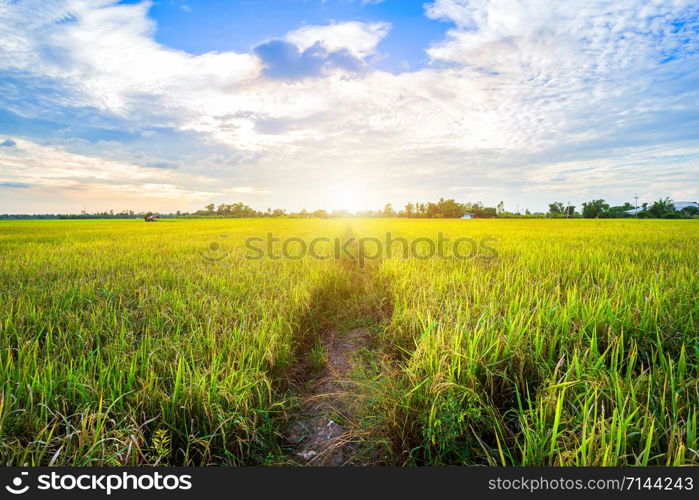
x=202 y=26
x=173 y=104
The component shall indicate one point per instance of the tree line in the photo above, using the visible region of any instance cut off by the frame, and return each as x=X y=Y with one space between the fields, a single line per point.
x=663 y=208
x=450 y=208
x=443 y=208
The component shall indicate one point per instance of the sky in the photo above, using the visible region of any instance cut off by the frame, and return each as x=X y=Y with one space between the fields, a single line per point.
x=170 y=105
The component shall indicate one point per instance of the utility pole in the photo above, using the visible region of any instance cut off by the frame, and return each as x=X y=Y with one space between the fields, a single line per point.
x=636 y=206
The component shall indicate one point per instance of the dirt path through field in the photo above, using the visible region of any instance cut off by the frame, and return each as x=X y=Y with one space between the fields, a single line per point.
x=325 y=431
x=328 y=427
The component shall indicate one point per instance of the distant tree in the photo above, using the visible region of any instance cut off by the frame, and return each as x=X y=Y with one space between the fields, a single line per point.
x=690 y=210
x=619 y=211
x=409 y=210
x=445 y=209
x=500 y=209
x=570 y=210
x=594 y=209
x=662 y=208
x=486 y=212
x=388 y=211
x=321 y=214
x=478 y=210
x=556 y=208
x=210 y=208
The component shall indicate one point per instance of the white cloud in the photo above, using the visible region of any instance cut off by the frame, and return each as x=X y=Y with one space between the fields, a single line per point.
x=78 y=177
x=541 y=39
x=107 y=54
x=361 y=39
x=517 y=91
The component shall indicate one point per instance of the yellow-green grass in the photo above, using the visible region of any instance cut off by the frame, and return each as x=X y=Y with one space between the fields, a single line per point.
x=124 y=342
x=112 y=330
x=577 y=346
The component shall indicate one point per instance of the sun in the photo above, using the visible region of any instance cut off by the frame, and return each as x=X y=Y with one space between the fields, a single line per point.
x=349 y=197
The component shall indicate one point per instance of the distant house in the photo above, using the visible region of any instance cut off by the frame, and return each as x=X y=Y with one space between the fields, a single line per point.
x=633 y=211
x=151 y=218
x=467 y=216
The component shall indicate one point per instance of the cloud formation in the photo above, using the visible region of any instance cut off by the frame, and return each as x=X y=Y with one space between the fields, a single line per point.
x=284 y=60
x=19 y=185
x=524 y=97
x=359 y=39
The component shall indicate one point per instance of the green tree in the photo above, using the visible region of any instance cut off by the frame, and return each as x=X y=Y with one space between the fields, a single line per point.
x=446 y=208
x=556 y=208
x=662 y=208
x=619 y=211
x=409 y=210
x=690 y=210
x=594 y=209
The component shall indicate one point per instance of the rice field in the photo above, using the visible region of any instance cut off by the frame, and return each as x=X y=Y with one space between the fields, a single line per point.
x=126 y=343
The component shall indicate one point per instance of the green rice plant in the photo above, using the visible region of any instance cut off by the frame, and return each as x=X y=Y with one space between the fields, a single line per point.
x=112 y=330
x=317 y=357
x=130 y=343
x=576 y=341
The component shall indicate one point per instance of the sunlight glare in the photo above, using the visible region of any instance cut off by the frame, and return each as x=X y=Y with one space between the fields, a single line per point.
x=348 y=197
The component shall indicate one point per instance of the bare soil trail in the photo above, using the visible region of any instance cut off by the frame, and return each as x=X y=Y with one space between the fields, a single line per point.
x=330 y=379
x=325 y=432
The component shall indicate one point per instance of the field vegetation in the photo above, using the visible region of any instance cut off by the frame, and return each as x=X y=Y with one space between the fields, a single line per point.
x=129 y=343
